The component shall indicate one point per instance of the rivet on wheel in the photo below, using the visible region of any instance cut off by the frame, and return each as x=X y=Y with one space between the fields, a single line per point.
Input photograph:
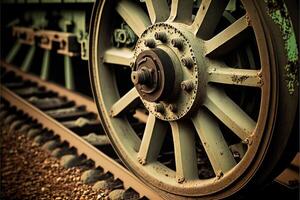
x=219 y=174
x=162 y=36
x=177 y=43
x=187 y=62
x=247 y=141
x=159 y=108
x=150 y=43
x=142 y=161
x=180 y=179
x=131 y=64
x=187 y=85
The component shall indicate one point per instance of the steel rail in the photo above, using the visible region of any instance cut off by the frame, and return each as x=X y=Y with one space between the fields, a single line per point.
x=83 y=147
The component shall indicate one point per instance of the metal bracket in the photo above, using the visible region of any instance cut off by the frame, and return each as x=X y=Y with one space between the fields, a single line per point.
x=25 y=35
x=65 y=43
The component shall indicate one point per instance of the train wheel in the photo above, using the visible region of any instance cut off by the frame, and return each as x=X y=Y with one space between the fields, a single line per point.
x=197 y=98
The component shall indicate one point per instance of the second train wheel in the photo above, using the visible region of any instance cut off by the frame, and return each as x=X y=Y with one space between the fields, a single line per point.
x=212 y=82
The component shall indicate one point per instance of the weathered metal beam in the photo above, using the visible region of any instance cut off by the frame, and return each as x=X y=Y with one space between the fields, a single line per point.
x=67 y=43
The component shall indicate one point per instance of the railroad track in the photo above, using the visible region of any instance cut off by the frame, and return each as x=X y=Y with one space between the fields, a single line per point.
x=199 y=98
x=71 y=118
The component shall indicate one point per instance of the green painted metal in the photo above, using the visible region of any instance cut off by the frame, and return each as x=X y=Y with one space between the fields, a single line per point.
x=28 y=59
x=46 y=1
x=45 y=65
x=75 y=17
x=13 y=52
x=124 y=36
x=39 y=19
x=13 y=22
x=279 y=13
x=8 y=1
x=78 y=1
x=84 y=43
x=69 y=78
x=51 y=1
x=32 y=1
x=231 y=6
x=75 y=21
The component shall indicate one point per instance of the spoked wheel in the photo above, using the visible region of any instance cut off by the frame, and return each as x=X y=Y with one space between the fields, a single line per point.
x=211 y=82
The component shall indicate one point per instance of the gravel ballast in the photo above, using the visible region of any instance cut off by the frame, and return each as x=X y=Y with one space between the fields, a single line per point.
x=29 y=172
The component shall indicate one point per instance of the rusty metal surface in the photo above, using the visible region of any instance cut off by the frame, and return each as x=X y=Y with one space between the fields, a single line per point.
x=25 y=35
x=207 y=87
x=83 y=147
x=45 y=39
x=218 y=88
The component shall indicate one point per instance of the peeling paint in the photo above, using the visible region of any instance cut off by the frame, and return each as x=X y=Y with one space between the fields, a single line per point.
x=279 y=13
x=239 y=79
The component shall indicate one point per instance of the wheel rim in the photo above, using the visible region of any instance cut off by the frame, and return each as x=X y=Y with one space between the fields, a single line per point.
x=208 y=107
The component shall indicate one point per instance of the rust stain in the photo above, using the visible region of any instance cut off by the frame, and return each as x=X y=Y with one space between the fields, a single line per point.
x=239 y=79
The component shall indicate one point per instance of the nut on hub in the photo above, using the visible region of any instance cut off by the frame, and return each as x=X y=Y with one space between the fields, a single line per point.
x=178 y=43
x=150 y=43
x=162 y=36
x=154 y=75
x=187 y=85
x=187 y=62
x=142 y=76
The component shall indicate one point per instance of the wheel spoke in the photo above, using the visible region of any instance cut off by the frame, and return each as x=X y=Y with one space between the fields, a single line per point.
x=130 y=99
x=153 y=139
x=214 y=143
x=185 y=151
x=208 y=17
x=181 y=11
x=229 y=113
x=158 y=10
x=220 y=73
x=141 y=115
x=228 y=39
x=134 y=16
x=118 y=56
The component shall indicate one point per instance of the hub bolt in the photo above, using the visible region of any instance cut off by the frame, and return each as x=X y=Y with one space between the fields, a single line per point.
x=177 y=43
x=162 y=36
x=159 y=108
x=150 y=43
x=188 y=62
x=187 y=85
x=141 y=76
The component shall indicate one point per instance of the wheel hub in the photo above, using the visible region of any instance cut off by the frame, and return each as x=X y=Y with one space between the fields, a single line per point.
x=154 y=75
x=239 y=118
x=167 y=74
